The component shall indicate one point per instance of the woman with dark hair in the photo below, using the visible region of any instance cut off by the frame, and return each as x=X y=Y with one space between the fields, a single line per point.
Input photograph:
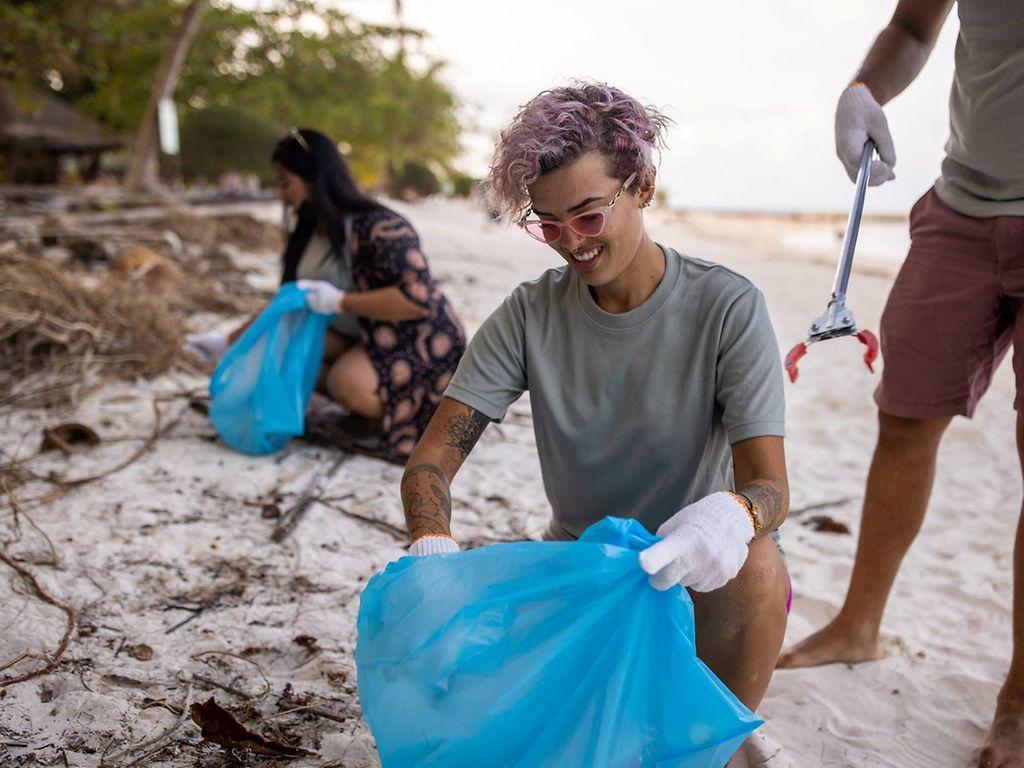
x=395 y=342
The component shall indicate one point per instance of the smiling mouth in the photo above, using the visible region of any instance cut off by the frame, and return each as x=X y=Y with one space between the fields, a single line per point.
x=588 y=255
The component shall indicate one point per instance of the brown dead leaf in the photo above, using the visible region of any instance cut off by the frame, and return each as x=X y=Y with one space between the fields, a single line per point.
x=220 y=726
x=308 y=642
x=142 y=652
x=63 y=436
x=826 y=524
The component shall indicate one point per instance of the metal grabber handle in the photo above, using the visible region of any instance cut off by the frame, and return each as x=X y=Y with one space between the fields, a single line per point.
x=837 y=319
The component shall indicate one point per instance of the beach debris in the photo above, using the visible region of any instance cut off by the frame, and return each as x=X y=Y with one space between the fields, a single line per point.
x=141 y=651
x=308 y=642
x=210 y=600
x=69 y=612
x=795 y=512
x=153 y=745
x=317 y=485
x=56 y=333
x=64 y=436
x=219 y=726
x=837 y=320
x=826 y=524
x=68 y=325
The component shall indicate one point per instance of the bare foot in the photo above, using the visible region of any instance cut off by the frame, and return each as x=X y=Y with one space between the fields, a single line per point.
x=833 y=643
x=1004 y=747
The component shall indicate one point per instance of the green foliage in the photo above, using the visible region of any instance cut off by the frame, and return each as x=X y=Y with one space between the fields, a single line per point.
x=417 y=177
x=220 y=139
x=301 y=63
x=463 y=185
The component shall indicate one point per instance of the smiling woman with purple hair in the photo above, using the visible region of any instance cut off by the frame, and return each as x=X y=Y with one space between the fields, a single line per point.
x=654 y=379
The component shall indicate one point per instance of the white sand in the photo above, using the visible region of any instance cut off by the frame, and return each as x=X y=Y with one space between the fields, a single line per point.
x=184 y=521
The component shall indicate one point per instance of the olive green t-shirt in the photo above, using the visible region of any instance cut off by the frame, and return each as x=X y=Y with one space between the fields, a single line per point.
x=983 y=173
x=634 y=413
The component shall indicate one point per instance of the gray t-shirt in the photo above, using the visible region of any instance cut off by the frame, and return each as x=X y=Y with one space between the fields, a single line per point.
x=318 y=262
x=983 y=173
x=634 y=413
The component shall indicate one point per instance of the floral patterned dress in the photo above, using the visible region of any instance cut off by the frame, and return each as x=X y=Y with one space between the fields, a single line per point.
x=414 y=359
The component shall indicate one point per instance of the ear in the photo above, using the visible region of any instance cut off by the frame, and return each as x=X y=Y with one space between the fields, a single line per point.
x=645 y=196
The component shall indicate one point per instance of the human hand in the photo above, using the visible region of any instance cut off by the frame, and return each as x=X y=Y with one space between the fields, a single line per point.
x=322 y=297
x=209 y=347
x=703 y=545
x=859 y=118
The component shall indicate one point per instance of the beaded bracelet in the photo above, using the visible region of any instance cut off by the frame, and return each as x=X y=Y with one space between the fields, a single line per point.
x=748 y=506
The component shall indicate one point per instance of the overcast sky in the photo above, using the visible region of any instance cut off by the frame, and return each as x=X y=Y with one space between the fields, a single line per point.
x=751 y=85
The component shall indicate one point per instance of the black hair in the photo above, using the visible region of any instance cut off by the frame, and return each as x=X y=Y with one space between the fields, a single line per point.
x=315 y=159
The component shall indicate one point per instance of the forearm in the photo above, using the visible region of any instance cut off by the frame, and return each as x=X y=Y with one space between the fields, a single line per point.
x=426 y=484
x=759 y=472
x=388 y=304
x=769 y=496
x=426 y=499
x=902 y=48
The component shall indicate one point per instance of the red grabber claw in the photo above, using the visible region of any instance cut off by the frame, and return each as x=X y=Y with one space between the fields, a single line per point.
x=837 y=320
x=869 y=340
x=792 y=358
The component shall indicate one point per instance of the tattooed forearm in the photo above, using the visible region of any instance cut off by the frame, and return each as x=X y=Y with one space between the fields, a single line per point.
x=427 y=500
x=463 y=430
x=770 y=502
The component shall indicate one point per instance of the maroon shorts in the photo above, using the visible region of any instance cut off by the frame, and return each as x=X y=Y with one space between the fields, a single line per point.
x=952 y=312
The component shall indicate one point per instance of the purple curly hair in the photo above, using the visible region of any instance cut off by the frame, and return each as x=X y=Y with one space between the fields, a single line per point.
x=558 y=126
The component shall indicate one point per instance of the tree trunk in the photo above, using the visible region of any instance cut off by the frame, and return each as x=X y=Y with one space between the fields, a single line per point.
x=142 y=170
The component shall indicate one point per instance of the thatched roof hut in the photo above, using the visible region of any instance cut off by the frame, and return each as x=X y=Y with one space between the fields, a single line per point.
x=38 y=130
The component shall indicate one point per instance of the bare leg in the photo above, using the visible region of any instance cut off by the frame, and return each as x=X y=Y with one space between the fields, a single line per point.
x=740 y=627
x=1004 y=747
x=335 y=345
x=899 y=484
x=352 y=381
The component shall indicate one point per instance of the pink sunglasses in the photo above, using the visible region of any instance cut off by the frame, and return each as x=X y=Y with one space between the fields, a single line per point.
x=588 y=224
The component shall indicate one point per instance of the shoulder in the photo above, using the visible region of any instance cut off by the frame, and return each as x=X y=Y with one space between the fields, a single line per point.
x=543 y=291
x=382 y=226
x=713 y=284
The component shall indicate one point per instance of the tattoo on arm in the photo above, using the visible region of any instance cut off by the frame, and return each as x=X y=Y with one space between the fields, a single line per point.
x=464 y=429
x=769 y=504
x=427 y=500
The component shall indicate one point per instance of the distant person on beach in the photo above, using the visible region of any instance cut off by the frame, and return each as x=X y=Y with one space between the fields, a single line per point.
x=654 y=378
x=953 y=312
x=396 y=341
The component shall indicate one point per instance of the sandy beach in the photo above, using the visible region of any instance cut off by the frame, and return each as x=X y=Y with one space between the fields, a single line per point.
x=184 y=533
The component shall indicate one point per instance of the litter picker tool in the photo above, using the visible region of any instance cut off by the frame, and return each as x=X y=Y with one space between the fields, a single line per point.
x=838 y=320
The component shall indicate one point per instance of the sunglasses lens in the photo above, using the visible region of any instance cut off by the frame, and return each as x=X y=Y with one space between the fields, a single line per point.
x=543 y=231
x=588 y=224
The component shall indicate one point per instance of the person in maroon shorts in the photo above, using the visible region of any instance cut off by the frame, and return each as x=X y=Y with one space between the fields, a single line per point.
x=952 y=314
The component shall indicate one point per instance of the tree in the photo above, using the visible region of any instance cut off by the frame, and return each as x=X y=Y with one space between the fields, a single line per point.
x=297 y=63
x=142 y=171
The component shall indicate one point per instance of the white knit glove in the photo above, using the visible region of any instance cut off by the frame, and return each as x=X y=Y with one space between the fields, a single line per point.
x=433 y=545
x=858 y=118
x=703 y=545
x=321 y=297
x=208 y=347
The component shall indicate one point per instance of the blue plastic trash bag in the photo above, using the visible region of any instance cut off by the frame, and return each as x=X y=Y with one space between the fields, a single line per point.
x=540 y=654
x=263 y=383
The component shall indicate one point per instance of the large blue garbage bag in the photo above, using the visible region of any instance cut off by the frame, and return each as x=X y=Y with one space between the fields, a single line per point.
x=263 y=383
x=540 y=654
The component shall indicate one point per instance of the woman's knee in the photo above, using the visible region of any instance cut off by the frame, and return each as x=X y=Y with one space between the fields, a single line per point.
x=353 y=382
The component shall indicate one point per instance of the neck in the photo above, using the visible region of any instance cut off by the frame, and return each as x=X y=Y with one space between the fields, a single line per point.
x=636 y=283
